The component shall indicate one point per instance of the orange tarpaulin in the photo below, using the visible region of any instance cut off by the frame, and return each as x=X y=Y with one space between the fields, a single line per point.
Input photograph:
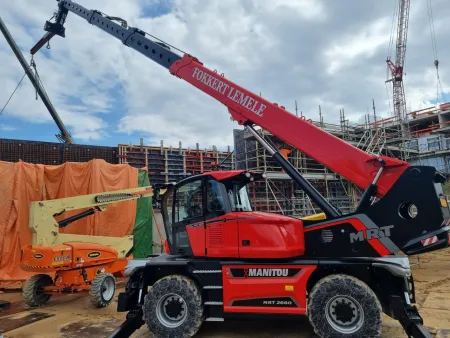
x=22 y=183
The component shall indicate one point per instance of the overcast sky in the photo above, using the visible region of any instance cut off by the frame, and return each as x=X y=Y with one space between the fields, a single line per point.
x=329 y=52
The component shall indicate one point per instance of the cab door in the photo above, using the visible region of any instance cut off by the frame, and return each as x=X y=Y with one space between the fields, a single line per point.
x=188 y=221
x=221 y=223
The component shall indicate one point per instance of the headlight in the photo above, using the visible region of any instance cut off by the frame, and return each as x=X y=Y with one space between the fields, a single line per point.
x=412 y=211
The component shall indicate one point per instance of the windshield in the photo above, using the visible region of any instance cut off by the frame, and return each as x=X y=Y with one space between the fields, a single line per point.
x=239 y=199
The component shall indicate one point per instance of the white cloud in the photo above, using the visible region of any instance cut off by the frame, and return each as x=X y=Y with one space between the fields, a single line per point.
x=361 y=44
x=305 y=9
x=5 y=127
x=330 y=53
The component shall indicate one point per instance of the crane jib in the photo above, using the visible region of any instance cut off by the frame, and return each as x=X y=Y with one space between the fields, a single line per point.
x=230 y=92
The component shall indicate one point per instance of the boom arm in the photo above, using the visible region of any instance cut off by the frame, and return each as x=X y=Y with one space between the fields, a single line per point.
x=244 y=106
x=45 y=228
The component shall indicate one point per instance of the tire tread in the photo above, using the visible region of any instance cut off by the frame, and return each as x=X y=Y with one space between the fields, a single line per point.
x=29 y=296
x=192 y=297
x=372 y=325
x=95 y=292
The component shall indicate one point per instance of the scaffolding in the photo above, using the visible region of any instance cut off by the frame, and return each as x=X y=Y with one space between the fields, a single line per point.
x=422 y=138
x=278 y=193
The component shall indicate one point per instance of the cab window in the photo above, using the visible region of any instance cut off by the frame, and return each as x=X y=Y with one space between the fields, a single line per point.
x=189 y=201
x=215 y=200
x=239 y=198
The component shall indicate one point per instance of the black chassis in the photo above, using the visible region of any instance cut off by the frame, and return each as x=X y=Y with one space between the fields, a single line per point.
x=389 y=277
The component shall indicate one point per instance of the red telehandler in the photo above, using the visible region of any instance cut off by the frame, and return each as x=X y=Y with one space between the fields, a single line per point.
x=225 y=260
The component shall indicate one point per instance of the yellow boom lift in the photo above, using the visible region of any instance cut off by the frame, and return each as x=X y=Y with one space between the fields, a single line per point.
x=78 y=262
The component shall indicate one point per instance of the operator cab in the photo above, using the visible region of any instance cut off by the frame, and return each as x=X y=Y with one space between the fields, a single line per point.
x=211 y=215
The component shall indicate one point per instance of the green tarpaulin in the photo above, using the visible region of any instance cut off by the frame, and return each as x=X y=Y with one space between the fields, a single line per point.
x=142 y=233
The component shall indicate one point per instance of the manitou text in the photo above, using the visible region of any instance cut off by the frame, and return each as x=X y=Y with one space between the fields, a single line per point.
x=268 y=272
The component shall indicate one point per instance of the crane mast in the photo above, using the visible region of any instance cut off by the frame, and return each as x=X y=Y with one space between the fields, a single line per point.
x=397 y=68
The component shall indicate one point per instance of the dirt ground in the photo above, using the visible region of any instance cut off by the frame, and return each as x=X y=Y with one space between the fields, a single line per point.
x=71 y=316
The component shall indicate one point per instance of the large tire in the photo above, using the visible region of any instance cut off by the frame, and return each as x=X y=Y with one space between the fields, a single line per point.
x=343 y=306
x=33 y=294
x=173 y=308
x=103 y=288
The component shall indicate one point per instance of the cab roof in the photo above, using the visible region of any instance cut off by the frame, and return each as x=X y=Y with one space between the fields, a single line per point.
x=224 y=175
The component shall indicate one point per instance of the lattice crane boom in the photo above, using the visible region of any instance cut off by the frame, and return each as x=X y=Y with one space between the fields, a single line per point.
x=400 y=52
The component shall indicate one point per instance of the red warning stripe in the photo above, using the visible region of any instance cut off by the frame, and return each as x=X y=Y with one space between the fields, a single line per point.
x=430 y=240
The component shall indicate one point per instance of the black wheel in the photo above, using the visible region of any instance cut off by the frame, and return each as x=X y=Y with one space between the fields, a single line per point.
x=33 y=293
x=173 y=308
x=103 y=288
x=344 y=306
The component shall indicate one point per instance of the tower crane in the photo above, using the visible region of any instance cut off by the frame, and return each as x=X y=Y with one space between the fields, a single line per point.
x=397 y=68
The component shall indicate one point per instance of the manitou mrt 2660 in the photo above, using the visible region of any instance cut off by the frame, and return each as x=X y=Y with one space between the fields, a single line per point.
x=224 y=259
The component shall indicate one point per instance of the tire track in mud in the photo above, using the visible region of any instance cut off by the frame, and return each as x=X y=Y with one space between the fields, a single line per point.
x=429 y=287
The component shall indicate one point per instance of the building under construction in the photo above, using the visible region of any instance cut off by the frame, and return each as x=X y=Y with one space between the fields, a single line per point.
x=420 y=137
x=167 y=164
x=164 y=163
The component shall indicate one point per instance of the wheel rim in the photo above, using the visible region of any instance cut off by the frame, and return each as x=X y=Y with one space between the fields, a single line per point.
x=171 y=310
x=108 y=288
x=344 y=314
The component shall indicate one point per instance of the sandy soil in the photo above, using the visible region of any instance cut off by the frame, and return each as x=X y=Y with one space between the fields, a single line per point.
x=73 y=317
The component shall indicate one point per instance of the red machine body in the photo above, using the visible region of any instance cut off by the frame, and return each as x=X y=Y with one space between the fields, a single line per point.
x=266 y=289
x=235 y=232
x=271 y=235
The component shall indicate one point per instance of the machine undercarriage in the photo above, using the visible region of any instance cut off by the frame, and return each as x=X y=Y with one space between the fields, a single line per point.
x=347 y=289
